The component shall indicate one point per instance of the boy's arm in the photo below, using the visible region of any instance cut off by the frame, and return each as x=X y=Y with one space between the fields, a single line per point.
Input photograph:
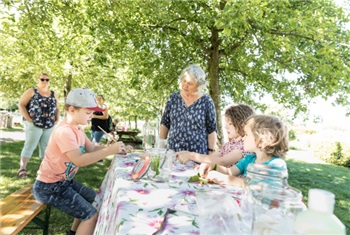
x=233 y=170
x=79 y=159
x=221 y=178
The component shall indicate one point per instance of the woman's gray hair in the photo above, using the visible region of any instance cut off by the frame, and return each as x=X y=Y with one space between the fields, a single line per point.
x=197 y=74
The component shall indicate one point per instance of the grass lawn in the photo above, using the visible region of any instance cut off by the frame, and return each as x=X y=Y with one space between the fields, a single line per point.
x=302 y=175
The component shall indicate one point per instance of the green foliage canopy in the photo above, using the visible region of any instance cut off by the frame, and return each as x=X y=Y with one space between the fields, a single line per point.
x=133 y=51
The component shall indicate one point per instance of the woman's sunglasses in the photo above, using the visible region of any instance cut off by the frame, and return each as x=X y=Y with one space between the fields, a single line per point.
x=45 y=79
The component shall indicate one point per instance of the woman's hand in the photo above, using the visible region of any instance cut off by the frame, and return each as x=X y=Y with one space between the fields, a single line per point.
x=183 y=156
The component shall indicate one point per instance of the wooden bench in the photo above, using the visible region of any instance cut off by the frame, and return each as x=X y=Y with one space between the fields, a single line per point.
x=20 y=208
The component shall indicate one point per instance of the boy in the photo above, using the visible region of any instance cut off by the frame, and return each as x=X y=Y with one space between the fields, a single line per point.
x=68 y=149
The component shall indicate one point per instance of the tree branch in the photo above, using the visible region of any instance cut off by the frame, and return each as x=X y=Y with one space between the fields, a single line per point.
x=274 y=31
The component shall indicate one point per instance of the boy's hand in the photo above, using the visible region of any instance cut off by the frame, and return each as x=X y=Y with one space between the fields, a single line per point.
x=118 y=147
x=129 y=149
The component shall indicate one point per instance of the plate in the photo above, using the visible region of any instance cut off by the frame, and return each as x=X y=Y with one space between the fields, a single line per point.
x=140 y=168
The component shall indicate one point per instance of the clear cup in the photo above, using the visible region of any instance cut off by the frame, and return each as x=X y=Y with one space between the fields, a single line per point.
x=160 y=165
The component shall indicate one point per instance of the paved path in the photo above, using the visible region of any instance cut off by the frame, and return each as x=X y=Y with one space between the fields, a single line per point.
x=304 y=156
x=10 y=136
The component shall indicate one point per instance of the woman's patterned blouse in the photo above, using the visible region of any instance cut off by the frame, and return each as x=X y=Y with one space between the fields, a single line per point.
x=189 y=127
x=42 y=109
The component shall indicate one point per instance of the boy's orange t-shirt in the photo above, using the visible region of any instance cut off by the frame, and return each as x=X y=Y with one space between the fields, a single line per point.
x=56 y=166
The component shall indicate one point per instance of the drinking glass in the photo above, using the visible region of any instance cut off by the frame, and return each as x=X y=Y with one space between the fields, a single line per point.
x=160 y=165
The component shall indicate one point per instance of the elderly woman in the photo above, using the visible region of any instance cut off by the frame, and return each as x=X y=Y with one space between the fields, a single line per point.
x=189 y=118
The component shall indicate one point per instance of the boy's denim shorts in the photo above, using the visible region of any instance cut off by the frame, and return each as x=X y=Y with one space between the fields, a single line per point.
x=71 y=197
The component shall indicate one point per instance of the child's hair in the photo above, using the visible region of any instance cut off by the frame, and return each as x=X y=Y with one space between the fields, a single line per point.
x=66 y=107
x=270 y=133
x=237 y=115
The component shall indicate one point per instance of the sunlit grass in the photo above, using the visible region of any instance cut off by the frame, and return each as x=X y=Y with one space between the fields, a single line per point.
x=335 y=179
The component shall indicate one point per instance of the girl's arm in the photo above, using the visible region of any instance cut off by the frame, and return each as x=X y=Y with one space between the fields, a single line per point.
x=232 y=157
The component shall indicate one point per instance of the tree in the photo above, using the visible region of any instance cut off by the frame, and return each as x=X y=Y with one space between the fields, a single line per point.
x=248 y=47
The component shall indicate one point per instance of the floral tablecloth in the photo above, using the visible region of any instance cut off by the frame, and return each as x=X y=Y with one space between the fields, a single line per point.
x=137 y=207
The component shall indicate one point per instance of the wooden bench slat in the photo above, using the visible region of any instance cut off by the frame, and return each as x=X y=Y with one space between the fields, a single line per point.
x=9 y=202
x=17 y=210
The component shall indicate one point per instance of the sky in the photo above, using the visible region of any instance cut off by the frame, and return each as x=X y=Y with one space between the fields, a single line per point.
x=331 y=116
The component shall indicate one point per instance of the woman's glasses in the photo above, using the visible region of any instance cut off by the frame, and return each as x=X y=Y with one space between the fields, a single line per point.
x=45 y=79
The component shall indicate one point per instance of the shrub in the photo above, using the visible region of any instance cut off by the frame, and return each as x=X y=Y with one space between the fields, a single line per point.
x=333 y=152
x=292 y=135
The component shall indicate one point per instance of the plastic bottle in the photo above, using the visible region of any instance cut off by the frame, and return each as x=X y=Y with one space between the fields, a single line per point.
x=319 y=217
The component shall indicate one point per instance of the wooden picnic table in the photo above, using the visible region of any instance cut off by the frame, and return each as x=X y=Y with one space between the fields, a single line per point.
x=130 y=137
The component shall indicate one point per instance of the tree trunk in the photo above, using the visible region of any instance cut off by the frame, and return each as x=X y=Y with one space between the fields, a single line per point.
x=67 y=86
x=214 y=88
x=66 y=89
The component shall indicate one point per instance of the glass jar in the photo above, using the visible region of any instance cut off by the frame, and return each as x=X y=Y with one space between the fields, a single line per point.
x=161 y=161
x=269 y=204
x=150 y=135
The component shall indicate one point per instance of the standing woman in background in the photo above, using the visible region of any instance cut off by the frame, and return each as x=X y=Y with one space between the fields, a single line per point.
x=99 y=119
x=39 y=107
x=189 y=118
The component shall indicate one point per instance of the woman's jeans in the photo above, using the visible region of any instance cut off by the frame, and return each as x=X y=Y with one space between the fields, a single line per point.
x=71 y=197
x=96 y=136
x=34 y=136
